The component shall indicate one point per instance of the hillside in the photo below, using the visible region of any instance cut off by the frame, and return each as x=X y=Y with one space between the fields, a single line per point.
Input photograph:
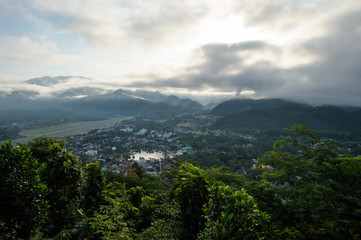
x=88 y=103
x=331 y=119
x=241 y=105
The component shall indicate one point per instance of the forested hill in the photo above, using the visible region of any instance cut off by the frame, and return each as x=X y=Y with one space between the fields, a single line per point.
x=331 y=119
x=241 y=105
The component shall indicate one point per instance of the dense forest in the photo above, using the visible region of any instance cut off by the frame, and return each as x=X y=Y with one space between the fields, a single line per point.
x=305 y=189
x=332 y=120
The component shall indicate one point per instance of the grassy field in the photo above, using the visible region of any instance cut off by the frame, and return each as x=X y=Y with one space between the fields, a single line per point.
x=217 y=133
x=185 y=125
x=66 y=129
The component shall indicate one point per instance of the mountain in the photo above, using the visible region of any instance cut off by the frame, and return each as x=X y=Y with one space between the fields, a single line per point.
x=50 y=81
x=330 y=119
x=184 y=104
x=241 y=105
x=211 y=105
x=89 y=103
x=80 y=92
x=154 y=96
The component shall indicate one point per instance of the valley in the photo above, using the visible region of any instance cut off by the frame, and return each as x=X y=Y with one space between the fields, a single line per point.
x=168 y=154
x=64 y=130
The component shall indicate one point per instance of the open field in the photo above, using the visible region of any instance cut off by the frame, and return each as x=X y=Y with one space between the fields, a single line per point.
x=185 y=125
x=66 y=129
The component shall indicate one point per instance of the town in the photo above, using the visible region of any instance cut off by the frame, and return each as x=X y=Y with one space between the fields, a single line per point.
x=154 y=147
x=118 y=146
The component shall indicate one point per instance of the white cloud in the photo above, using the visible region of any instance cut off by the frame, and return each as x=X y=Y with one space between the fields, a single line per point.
x=25 y=49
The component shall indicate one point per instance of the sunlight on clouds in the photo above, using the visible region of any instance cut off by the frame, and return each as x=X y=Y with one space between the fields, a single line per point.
x=247 y=92
x=146 y=37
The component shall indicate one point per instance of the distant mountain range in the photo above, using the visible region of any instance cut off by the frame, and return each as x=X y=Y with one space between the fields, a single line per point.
x=277 y=114
x=73 y=103
x=87 y=103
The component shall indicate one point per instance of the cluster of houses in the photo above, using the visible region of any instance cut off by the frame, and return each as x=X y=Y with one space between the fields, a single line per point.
x=116 y=146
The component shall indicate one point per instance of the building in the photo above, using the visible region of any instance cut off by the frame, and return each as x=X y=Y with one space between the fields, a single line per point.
x=91 y=153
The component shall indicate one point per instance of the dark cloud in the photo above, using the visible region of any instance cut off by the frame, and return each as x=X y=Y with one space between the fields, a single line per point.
x=223 y=68
x=282 y=15
x=222 y=58
x=336 y=76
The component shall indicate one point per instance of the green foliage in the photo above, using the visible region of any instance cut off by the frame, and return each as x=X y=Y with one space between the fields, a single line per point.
x=320 y=189
x=162 y=230
x=110 y=222
x=234 y=215
x=150 y=183
x=135 y=195
x=191 y=192
x=137 y=171
x=92 y=196
x=22 y=207
x=9 y=133
x=166 y=222
x=145 y=214
x=263 y=192
x=60 y=171
x=144 y=205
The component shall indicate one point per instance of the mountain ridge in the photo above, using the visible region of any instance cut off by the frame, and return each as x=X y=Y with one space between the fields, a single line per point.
x=244 y=104
x=322 y=118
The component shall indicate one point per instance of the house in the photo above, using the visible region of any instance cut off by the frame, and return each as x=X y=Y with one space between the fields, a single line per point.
x=180 y=130
x=188 y=150
x=127 y=166
x=127 y=130
x=167 y=135
x=77 y=140
x=91 y=153
x=256 y=165
x=142 y=132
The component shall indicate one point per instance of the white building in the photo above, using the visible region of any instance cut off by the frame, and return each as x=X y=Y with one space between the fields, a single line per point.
x=142 y=131
x=91 y=153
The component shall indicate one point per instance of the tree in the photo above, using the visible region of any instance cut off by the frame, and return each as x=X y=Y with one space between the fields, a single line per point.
x=110 y=221
x=320 y=188
x=22 y=206
x=93 y=188
x=232 y=215
x=191 y=192
x=264 y=193
x=137 y=170
x=61 y=173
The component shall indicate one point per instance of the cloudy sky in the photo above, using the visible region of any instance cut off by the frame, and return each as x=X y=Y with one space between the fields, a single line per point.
x=303 y=50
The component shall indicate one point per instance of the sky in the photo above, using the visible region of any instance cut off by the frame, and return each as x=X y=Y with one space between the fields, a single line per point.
x=301 y=50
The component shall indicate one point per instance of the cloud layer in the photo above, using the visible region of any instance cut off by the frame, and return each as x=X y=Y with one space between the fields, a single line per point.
x=298 y=50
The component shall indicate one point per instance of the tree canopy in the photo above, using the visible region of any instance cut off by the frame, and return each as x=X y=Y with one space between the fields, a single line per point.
x=306 y=189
